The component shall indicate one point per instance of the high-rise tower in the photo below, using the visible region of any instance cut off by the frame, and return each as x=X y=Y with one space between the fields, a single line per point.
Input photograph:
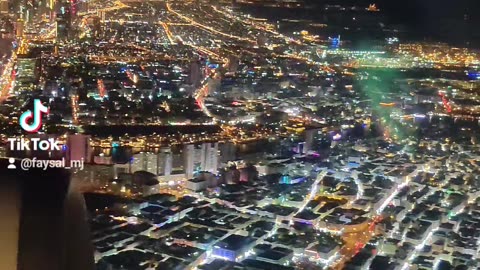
x=202 y=157
x=4 y=7
x=64 y=18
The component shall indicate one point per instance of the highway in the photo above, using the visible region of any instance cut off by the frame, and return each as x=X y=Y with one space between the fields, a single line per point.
x=7 y=78
x=117 y=5
x=195 y=23
x=251 y=24
x=169 y=34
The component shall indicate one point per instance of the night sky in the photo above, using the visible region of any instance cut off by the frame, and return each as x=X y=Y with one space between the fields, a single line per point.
x=453 y=21
x=456 y=21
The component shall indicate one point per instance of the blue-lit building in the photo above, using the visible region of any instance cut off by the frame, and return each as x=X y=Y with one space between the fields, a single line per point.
x=335 y=42
x=473 y=75
x=233 y=247
x=289 y=180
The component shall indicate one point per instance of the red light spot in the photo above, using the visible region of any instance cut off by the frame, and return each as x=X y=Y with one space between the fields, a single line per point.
x=446 y=102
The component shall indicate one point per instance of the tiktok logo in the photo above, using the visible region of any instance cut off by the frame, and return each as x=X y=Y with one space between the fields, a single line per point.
x=38 y=109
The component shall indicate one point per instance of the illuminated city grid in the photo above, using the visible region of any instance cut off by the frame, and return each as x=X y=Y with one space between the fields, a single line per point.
x=218 y=137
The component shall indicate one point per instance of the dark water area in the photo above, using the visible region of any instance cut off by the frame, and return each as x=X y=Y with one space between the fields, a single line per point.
x=136 y=130
x=255 y=147
x=454 y=22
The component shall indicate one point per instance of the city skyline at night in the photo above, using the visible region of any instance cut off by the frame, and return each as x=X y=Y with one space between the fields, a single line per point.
x=244 y=134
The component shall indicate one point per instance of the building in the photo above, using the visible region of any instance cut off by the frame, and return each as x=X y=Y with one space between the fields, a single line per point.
x=203 y=157
x=195 y=78
x=233 y=63
x=290 y=180
x=4 y=7
x=169 y=164
x=178 y=164
x=324 y=251
x=19 y=28
x=211 y=157
x=233 y=247
x=94 y=24
x=197 y=184
x=165 y=162
x=62 y=28
x=191 y=158
x=145 y=161
x=102 y=160
x=63 y=19
x=159 y=164
x=276 y=256
x=73 y=7
x=27 y=70
x=78 y=148
x=310 y=136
